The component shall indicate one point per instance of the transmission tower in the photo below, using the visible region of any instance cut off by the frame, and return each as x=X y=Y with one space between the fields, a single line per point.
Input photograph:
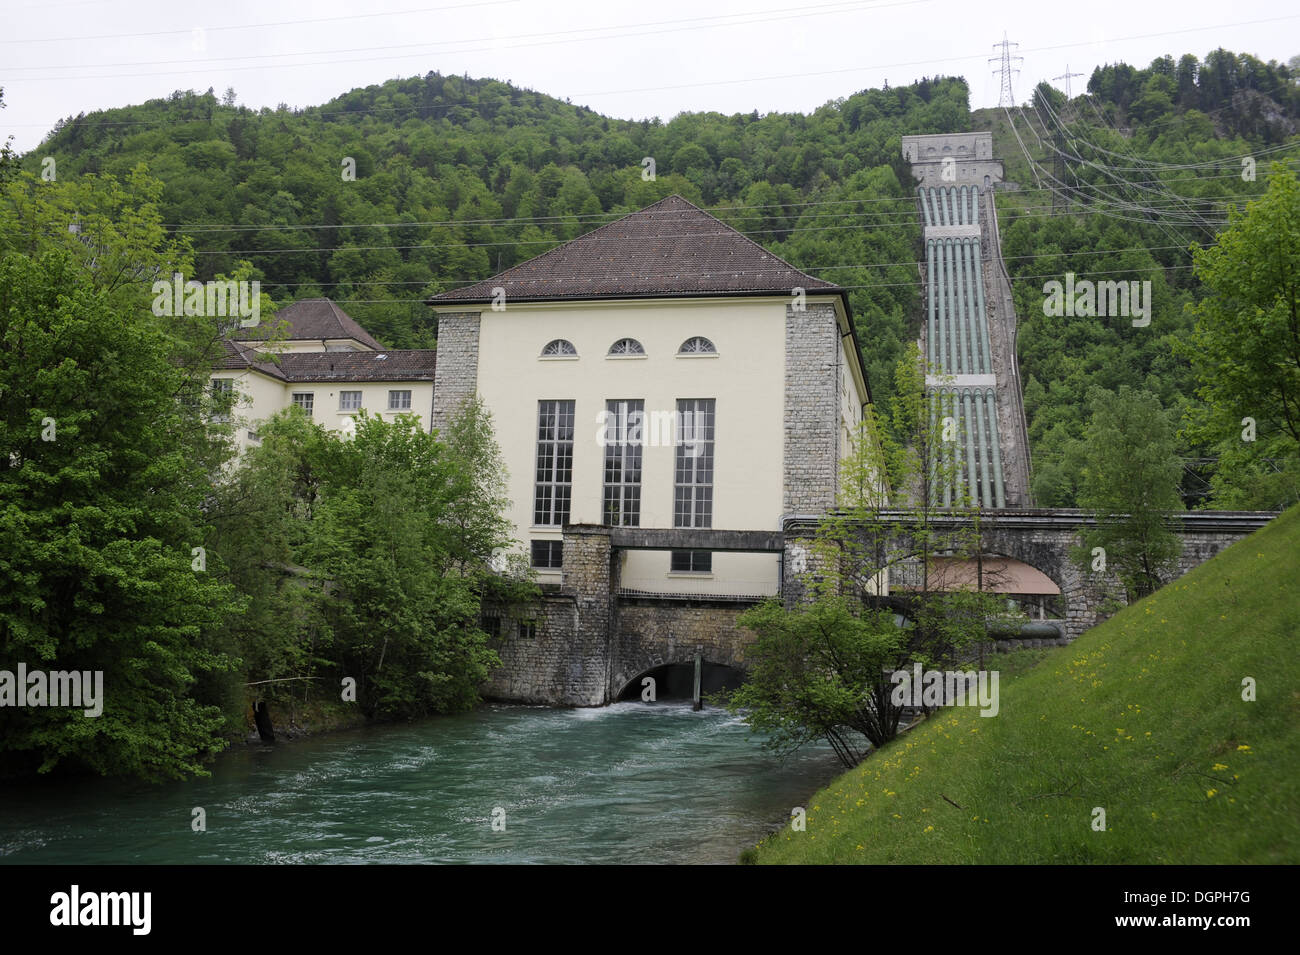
x=1066 y=76
x=1006 y=100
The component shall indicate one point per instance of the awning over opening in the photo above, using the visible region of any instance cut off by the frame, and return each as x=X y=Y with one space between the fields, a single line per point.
x=1001 y=575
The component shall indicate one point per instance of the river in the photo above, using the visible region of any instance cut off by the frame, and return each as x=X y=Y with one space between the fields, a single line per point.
x=627 y=783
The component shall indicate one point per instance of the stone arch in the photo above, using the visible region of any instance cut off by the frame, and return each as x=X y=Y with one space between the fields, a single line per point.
x=675 y=679
x=1049 y=553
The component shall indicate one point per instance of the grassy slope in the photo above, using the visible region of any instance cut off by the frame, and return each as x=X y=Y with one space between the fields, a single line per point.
x=1142 y=716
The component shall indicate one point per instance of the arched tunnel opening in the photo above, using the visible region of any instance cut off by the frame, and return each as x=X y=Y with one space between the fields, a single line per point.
x=676 y=681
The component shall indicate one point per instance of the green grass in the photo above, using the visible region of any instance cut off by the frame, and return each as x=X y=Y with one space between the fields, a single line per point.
x=1142 y=716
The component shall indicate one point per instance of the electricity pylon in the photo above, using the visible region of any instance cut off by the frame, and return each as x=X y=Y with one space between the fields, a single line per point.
x=1006 y=100
x=1066 y=76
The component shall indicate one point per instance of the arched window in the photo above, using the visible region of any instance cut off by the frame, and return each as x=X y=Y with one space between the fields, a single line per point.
x=560 y=348
x=699 y=345
x=626 y=346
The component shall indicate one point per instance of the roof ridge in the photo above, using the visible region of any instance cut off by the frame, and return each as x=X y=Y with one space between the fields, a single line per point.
x=338 y=317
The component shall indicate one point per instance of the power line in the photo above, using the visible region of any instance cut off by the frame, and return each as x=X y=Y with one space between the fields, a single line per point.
x=551 y=241
x=848 y=288
x=258 y=26
x=692 y=24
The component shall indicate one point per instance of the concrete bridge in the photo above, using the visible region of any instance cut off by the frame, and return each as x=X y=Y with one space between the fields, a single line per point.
x=590 y=642
x=1040 y=540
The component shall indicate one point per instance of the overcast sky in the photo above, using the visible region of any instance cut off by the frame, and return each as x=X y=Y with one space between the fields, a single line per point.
x=623 y=59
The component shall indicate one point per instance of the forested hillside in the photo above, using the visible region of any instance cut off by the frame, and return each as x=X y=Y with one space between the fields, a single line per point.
x=456 y=178
x=1116 y=185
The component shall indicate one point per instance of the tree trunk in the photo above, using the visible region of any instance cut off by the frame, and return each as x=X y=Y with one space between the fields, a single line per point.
x=262 y=717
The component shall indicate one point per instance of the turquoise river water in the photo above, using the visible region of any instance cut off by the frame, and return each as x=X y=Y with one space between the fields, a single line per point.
x=628 y=783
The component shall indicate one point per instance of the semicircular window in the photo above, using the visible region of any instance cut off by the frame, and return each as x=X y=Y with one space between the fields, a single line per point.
x=559 y=348
x=699 y=345
x=626 y=346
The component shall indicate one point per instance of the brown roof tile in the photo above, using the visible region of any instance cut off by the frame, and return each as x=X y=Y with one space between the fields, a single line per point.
x=313 y=319
x=415 y=364
x=671 y=248
x=239 y=356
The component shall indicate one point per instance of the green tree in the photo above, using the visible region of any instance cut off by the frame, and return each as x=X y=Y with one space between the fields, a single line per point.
x=1130 y=483
x=380 y=548
x=820 y=665
x=102 y=488
x=1246 y=349
x=816 y=673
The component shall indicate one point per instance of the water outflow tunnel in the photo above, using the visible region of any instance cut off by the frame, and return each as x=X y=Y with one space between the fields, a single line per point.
x=676 y=681
x=968 y=467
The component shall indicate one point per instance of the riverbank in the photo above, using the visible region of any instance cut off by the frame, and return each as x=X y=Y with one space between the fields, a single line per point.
x=1167 y=734
x=299 y=720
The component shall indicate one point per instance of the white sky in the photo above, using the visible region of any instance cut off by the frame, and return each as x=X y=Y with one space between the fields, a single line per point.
x=623 y=59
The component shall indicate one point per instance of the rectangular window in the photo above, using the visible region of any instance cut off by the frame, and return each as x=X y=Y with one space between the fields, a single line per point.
x=350 y=401
x=491 y=625
x=553 y=478
x=399 y=401
x=692 y=562
x=548 y=555
x=527 y=630
x=624 y=421
x=693 y=500
x=223 y=396
x=304 y=400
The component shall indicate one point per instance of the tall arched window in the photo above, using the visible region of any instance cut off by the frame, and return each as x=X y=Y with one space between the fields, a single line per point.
x=699 y=345
x=626 y=346
x=560 y=348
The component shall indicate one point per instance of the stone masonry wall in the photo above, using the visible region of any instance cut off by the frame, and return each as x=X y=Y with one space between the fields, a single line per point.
x=811 y=409
x=567 y=662
x=455 y=377
x=653 y=633
x=549 y=667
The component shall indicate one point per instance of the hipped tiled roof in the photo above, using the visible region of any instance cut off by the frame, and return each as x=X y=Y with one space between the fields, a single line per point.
x=671 y=248
x=313 y=319
x=415 y=364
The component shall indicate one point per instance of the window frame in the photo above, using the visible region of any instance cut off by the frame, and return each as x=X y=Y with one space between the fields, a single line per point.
x=553 y=462
x=222 y=391
x=344 y=407
x=621 y=498
x=710 y=352
x=554 y=559
x=309 y=406
x=400 y=391
x=697 y=492
x=626 y=352
x=693 y=557
x=559 y=355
